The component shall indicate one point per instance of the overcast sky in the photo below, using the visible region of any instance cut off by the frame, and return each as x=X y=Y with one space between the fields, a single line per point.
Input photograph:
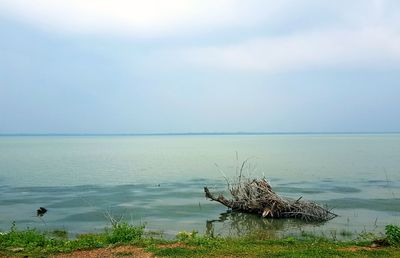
x=96 y=66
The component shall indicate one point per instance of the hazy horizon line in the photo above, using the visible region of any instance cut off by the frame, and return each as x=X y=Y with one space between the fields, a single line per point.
x=197 y=133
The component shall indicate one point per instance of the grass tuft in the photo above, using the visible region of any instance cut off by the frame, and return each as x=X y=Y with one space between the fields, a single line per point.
x=125 y=233
x=393 y=234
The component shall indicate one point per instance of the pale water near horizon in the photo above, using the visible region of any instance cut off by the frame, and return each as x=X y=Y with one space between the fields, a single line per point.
x=159 y=180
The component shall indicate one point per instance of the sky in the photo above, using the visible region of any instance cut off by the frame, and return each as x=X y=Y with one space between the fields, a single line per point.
x=156 y=66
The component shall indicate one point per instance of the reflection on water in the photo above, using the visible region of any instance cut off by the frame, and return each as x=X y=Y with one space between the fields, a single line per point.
x=235 y=224
x=166 y=206
x=173 y=207
x=160 y=180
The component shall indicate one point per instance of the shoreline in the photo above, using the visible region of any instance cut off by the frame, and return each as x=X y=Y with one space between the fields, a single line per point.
x=132 y=241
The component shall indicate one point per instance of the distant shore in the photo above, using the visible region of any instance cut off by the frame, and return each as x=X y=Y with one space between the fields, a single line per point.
x=196 y=133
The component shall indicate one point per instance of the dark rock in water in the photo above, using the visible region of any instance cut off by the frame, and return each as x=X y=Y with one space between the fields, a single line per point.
x=41 y=211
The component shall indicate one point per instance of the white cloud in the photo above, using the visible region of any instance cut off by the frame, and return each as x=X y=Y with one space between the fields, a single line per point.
x=344 y=33
x=146 y=18
x=372 y=46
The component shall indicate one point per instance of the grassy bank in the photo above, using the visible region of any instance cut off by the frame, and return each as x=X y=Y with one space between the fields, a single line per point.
x=127 y=240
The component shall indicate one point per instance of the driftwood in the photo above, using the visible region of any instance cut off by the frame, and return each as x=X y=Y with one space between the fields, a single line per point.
x=256 y=196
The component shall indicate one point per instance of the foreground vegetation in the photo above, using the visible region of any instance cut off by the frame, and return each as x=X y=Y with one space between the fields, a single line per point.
x=189 y=244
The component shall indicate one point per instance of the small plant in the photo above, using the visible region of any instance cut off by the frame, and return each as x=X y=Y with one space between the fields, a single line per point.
x=393 y=234
x=184 y=235
x=87 y=241
x=367 y=236
x=193 y=238
x=289 y=240
x=125 y=233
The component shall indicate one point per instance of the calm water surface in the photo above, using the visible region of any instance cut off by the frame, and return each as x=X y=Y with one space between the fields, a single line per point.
x=159 y=180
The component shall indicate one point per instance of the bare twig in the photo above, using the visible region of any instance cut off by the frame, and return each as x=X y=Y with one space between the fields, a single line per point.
x=256 y=196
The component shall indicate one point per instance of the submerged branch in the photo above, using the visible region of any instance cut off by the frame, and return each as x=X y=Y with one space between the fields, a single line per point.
x=256 y=196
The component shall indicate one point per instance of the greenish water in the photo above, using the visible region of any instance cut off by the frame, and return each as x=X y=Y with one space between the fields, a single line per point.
x=159 y=180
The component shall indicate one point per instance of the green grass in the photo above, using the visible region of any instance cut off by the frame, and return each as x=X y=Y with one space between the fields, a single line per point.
x=124 y=233
x=33 y=243
x=289 y=247
x=393 y=235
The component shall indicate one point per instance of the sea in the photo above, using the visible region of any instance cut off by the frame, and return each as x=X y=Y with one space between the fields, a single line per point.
x=87 y=181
